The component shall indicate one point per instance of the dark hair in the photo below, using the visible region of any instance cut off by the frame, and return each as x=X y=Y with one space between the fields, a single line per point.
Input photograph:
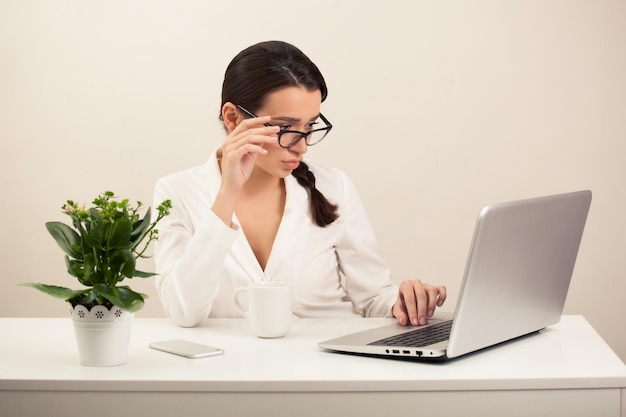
x=263 y=68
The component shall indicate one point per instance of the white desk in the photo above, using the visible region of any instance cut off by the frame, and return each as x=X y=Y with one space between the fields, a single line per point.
x=565 y=370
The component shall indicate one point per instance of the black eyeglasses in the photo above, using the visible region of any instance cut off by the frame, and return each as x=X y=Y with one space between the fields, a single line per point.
x=290 y=138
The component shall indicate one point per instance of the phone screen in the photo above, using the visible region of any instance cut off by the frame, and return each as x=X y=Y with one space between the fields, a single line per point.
x=186 y=348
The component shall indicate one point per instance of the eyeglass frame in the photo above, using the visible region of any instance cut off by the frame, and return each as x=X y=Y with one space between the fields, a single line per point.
x=303 y=135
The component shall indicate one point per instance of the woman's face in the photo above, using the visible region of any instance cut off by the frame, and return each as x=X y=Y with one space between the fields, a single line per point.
x=293 y=108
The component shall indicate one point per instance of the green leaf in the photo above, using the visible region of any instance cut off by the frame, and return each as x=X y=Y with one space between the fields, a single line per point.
x=67 y=239
x=123 y=261
x=53 y=290
x=89 y=269
x=100 y=232
x=122 y=297
x=140 y=227
x=87 y=241
x=142 y=274
x=75 y=268
x=93 y=212
x=84 y=297
x=120 y=234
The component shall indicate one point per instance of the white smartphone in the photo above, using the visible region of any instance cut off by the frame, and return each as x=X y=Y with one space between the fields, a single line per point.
x=186 y=348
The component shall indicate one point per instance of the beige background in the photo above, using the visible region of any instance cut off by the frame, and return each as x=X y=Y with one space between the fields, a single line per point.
x=439 y=107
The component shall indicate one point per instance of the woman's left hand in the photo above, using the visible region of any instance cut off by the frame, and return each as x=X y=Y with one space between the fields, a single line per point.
x=417 y=301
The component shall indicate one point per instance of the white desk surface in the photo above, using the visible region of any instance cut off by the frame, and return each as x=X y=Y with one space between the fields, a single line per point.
x=41 y=354
x=566 y=370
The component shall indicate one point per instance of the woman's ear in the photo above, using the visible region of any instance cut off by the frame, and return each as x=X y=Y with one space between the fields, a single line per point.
x=231 y=116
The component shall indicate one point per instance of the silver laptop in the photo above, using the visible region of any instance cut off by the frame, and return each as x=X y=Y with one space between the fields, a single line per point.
x=516 y=280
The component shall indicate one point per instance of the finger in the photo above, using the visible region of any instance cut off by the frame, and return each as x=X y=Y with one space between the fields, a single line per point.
x=258 y=135
x=255 y=125
x=399 y=311
x=248 y=149
x=421 y=297
x=236 y=147
x=410 y=302
x=443 y=294
x=256 y=130
x=433 y=296
x=253 y=122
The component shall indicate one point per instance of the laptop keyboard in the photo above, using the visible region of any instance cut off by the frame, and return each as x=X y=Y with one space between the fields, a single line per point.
x=422 y=336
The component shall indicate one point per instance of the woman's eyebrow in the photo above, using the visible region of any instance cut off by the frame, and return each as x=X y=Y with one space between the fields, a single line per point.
x=293 y=119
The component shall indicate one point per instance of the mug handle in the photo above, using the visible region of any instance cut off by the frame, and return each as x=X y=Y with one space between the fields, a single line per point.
x=237 y=303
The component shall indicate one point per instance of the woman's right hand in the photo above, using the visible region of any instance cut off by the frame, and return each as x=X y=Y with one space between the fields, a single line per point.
x=241 y=148
x=238 y=156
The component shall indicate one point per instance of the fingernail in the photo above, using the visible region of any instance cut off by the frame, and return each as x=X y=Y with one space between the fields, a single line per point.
x=423 y=321
x=414 y=321
x=430 y=313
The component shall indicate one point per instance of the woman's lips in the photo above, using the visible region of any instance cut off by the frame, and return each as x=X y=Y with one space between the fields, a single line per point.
x=292 y=164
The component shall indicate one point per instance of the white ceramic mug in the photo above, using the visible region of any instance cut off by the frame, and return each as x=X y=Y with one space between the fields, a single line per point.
x=269 y=307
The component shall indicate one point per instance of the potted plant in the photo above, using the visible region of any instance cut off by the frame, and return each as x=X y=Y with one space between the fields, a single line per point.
x=101 y=249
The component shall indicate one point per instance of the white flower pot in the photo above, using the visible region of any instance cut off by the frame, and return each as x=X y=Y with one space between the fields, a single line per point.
x=102 y=335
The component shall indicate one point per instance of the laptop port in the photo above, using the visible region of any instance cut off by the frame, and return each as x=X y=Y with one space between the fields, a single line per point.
x=406 y=352
x=395 y=351
x=418 y=353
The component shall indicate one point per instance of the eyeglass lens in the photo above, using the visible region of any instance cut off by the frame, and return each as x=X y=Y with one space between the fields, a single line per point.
x=288 y=139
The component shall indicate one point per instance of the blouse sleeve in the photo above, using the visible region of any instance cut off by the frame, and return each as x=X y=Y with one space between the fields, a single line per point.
x=193 y=243
x=367 y=276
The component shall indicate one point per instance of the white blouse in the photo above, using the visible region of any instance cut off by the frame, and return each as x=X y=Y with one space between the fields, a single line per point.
x=337 y=270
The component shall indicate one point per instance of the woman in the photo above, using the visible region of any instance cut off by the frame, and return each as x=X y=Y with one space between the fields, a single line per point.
x=256 y=211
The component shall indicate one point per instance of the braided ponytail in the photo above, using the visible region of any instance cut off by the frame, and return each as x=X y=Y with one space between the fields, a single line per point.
x=323 y=211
